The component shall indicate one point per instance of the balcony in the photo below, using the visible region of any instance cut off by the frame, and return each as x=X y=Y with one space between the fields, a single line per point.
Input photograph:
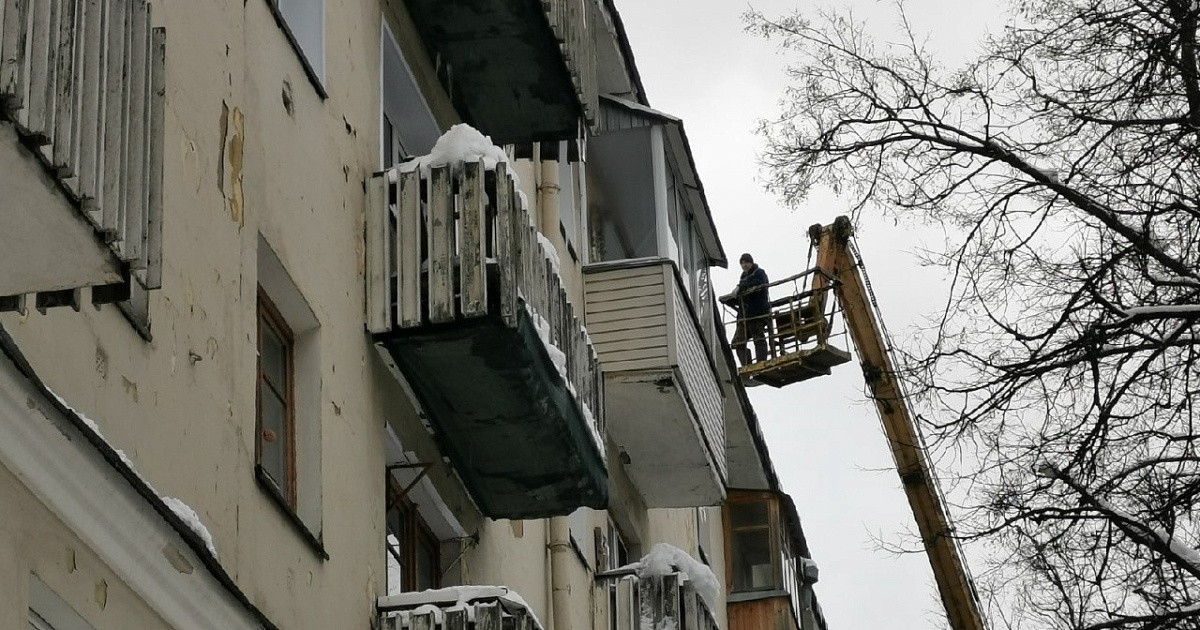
x=81 y=138
x=519 y=70
x=668 y=602
x=769 y=571
x=457 y=608
x=470 y=312
x=662 y=395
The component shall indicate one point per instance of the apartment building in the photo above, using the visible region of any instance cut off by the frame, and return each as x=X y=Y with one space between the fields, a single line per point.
x=389 y=314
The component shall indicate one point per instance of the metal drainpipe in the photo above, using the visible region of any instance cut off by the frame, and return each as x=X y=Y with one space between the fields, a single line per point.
x=560 y=581
x=547 y=201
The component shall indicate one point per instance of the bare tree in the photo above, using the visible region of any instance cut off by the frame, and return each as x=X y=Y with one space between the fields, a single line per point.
x=1064 y=161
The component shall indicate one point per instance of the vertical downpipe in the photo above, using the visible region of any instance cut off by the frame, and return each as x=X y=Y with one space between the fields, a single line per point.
x=547 y=192
x=560 y=580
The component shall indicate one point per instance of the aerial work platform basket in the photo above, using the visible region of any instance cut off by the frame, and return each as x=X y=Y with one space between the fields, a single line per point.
x=797 y=332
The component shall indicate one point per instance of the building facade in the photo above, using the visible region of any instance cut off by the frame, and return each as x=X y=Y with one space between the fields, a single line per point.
x=359 y=314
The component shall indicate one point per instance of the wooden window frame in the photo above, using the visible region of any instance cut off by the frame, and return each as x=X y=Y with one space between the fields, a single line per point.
x=416 y=531
x=268 y=314
x=773 y=528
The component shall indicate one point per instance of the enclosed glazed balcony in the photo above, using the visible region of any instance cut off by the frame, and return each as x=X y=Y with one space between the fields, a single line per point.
x=470 y=312
x=519 y=70
x=662 y=396
x=768 y=568
x=81 y=128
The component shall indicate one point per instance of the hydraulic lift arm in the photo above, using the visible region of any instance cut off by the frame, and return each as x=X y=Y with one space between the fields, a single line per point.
x=837 y=261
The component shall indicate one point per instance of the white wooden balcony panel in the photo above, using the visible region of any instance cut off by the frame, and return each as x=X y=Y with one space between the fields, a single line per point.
x=82 y=92
x=663 y=402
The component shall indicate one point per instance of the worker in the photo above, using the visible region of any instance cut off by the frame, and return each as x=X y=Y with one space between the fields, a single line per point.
x=754 y=306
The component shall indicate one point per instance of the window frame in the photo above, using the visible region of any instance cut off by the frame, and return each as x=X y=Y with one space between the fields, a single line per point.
x=416 y=533
x=772 y=528
x=268 y=314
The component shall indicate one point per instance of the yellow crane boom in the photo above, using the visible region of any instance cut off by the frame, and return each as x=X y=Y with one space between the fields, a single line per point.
x=839 y=268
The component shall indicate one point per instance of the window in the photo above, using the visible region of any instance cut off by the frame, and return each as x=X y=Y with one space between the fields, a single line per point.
x=306 y=21
x=288 y=398
x=621 y=204
x=754 y=558
x=276 y=449
x=408 y=126
x=572 y=195
x=621 y=613
x=412 y=550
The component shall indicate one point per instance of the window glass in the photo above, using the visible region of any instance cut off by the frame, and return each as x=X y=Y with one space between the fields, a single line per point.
x=409 y=127
x=274 y=359
x=753 y=567
x=306 y=21
x=748 y=514
x=274 y=438
x=621 y=204
x=276 y=448
x=755 y=553
x=414 y=563
x=427 y=565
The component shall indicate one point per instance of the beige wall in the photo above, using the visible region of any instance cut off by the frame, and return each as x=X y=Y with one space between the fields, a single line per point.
x=182 y=406
x=34 y=540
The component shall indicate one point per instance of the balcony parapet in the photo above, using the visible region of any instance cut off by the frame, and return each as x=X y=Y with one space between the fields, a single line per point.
x=572 y=23
x=82 y=83
x=454 y=263
x=457 y=608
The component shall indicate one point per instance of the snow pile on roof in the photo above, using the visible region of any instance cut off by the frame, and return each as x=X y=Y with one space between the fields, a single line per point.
x=462 y=143
x=181 y=509
x=438 y=601
x=189 y=517
x=665 y=559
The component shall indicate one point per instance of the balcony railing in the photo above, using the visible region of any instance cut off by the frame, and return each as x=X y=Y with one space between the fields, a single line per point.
x=464 y=608
x=665 y=602
x=572 y=22
x=82 y=82
x=455 y=263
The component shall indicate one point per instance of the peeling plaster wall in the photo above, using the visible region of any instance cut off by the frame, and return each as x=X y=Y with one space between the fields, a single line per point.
x=33 y=540
x=251 y=147
x=239 y=161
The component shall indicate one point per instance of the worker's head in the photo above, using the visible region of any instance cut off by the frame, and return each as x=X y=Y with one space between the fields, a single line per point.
x=747 y=261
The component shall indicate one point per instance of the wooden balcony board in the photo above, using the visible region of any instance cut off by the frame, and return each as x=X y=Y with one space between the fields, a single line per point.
x=64 y=150
x=90 y=109
x=471 y=234
x=473 y=294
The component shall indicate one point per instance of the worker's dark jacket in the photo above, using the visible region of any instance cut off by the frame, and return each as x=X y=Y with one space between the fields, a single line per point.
x=752 y=292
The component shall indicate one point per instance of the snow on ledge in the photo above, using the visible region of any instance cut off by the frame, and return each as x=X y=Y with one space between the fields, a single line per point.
x=665 y=559
x=439 y=600
x=462 y=143
x=192 y=520
x=181 y=509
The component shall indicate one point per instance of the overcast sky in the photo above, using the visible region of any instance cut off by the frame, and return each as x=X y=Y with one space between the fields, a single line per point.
x=697 y=63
